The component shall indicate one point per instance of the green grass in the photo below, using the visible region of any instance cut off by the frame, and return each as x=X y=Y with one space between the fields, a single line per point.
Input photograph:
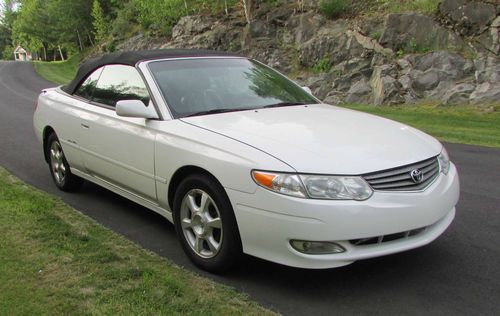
x=60 y=72
x=322 y=66
x=383 y=7
x=55 y=261
x=423 y=6
x=466 y=125
x=334 y=8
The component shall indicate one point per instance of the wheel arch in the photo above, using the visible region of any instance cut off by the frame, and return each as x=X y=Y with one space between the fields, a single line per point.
x=181 y=174
x=47 y=131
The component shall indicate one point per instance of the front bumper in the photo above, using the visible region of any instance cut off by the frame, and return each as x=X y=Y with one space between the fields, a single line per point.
x=268 y=221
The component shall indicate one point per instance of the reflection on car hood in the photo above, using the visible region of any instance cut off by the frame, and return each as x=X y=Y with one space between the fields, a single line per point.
x=323 y=138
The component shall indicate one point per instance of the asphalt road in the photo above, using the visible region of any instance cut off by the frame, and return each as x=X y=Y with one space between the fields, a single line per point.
x=457 y=274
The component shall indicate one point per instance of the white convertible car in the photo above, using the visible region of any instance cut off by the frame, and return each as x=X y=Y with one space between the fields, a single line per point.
x=243 y=160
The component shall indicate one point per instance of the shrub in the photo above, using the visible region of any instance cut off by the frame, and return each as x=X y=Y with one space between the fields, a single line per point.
x=159 y=16
x=99 y=23
x=335 y=8
x=125 y=22
x=376 y=35
x=8 y=53
x=323 y=65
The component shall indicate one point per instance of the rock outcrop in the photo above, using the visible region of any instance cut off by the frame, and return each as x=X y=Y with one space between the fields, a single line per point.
x=417 y=32
x=468 y=17
x=452 y=57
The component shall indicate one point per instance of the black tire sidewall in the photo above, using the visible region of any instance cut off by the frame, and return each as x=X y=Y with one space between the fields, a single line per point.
x=230 y=251
x=70 y=182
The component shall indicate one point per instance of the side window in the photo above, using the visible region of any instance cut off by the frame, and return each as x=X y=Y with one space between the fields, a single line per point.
x=86 y=89
x=119 y=82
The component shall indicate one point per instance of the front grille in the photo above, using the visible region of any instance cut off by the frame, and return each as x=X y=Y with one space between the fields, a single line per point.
x=386 y=238
x=400 y=179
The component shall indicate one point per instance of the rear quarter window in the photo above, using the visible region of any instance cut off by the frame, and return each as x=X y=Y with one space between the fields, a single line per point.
x=86 y=89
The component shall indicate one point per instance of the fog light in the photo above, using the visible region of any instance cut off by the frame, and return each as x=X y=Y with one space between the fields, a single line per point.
x=316 y=247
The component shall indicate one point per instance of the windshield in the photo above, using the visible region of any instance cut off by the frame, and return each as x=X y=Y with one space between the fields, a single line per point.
x=215 y=85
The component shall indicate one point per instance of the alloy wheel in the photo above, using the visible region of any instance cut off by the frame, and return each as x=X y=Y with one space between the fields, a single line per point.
x=201 y=223
x=57 y=162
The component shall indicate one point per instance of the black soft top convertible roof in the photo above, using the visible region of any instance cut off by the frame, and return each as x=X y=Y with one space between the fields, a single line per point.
x=131 y=58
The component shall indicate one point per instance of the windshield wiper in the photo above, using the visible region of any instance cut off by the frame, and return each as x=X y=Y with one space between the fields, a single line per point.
x=217 y=111
x=283 y=104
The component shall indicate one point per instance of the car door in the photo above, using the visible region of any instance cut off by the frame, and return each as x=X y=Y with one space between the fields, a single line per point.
x=66 y=118
x=116 y=149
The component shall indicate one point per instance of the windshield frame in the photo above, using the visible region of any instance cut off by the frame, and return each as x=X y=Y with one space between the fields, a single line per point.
x=152 y=77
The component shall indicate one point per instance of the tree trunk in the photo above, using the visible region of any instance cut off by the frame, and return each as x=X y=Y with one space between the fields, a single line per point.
x=225 y=7
x=44 y=53
x=301 y=5
x=90 y=39
x=79 y=40
x=247 y=7
x=60 y=52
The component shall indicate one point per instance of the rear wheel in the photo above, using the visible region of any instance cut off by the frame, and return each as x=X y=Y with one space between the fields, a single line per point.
x=59 y=168
x=205 y=224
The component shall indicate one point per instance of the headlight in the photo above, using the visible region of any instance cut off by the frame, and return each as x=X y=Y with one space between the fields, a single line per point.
x=336 y=187
x=283 y=183
x=444 y=161
x=315 y=186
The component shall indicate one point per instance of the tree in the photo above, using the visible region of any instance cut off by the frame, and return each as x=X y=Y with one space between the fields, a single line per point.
x=7 y=17
x=71 y=20
x=99 y=23
x=247 y=8
x=5 y=42
x=300 y=4
x=30 y=26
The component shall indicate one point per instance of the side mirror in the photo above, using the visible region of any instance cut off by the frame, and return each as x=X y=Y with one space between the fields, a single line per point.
x=308 y=90
x=135 y=108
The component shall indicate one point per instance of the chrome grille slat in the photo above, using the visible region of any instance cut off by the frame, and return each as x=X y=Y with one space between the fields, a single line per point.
x=407 y=182
x=428 y=172
x=399 y=178
x=407 y=186
x=430 y=168
x=395 y=184
x=403 y=176
x=399 y=170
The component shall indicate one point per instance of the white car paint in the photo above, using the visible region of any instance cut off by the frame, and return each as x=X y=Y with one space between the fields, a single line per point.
x=323 y=139
x=137 y=158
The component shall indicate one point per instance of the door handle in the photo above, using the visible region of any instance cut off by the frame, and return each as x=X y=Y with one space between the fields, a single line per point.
x=85 y=126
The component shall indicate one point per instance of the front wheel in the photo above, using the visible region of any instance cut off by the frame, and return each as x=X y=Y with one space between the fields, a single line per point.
x=205 y=224
x=59 y=167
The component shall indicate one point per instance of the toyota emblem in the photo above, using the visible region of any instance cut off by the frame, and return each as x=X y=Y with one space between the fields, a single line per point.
x=417 y=175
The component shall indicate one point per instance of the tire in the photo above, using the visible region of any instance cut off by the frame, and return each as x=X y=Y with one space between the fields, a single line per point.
x=209 y=235
x=59 y=167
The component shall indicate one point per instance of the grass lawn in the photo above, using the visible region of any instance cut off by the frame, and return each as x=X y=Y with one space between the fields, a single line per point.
x=60 y=72
x=454 y=124
x=54 y=260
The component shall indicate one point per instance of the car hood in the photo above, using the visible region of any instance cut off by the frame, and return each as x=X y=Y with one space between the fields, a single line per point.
x=324 y=139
